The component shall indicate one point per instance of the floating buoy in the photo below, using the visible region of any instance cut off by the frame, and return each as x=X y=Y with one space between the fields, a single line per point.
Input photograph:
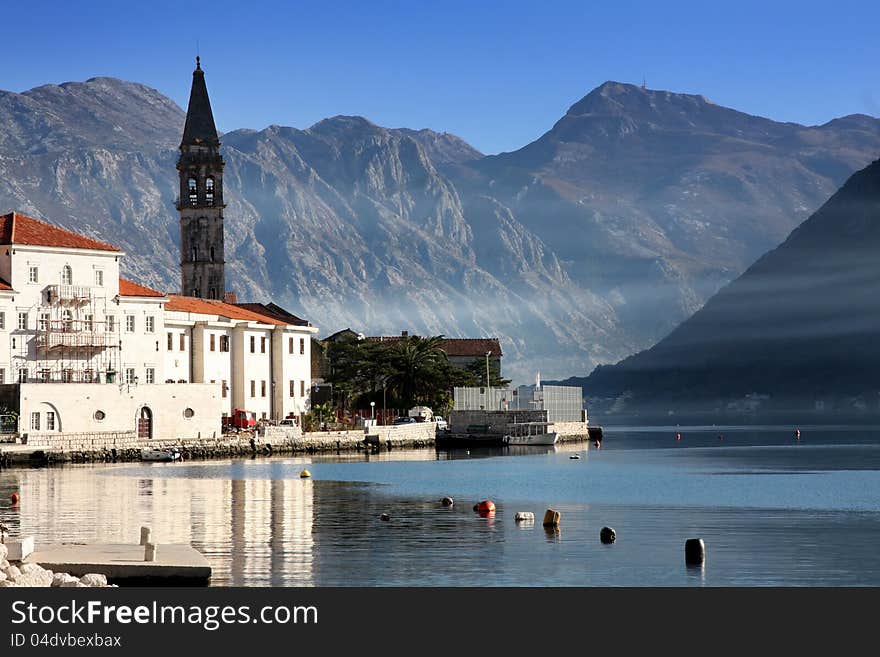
x=524 y=516
x=678 y=436
x=551 y=518
x=486 y=506
x=385 y=517
x=305 y=474
x=607 y=535
x=694 y=551
x=14 y=499
x=447 y=501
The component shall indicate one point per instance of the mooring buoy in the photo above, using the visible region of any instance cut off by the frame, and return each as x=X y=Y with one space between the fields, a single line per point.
x=607 y=535
x=694 y=551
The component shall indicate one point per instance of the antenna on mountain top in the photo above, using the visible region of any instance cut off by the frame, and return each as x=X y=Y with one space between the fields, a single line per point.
x=644 y=84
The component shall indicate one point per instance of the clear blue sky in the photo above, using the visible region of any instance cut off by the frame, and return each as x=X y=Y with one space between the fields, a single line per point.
x=498 y=74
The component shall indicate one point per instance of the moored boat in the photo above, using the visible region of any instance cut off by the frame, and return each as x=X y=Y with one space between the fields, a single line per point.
x=530 y=433
x=161 y=454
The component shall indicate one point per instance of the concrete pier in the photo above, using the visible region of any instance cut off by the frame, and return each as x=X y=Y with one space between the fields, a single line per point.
x=124 y=564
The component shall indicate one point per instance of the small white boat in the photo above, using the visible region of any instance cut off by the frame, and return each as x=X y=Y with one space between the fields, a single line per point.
x=161 y=454
x=530 y=433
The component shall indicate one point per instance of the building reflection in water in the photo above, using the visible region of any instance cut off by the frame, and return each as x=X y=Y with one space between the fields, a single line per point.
x=252 y=531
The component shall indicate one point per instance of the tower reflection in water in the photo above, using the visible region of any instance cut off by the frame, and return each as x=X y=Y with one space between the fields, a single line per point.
x=252 y=531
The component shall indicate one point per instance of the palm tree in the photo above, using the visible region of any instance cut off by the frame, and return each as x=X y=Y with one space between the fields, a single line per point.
x=417 y=362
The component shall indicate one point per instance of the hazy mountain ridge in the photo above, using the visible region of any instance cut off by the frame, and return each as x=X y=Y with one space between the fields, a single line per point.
x=580 y=248
x=801 y=325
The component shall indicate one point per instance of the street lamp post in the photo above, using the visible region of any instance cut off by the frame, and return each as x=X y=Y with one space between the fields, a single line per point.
x=488 y=353
x=383 y=404
x=373 y=410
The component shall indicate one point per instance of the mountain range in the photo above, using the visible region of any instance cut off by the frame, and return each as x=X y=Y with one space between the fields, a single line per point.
x=581 y=248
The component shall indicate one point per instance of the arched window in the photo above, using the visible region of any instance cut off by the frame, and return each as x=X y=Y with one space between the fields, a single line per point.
x=195 y=254
x=209 y=191
x=66 y=275
x=212 y=293
x=192 y=187
x=67 y=320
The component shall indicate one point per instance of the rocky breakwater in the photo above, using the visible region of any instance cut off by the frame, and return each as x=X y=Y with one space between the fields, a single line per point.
x=19 y=574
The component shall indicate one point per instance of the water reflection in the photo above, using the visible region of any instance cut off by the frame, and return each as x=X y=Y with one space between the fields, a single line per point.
x=259 y=524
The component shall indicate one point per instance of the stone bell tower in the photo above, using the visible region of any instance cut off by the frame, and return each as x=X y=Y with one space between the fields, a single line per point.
x=200 y=204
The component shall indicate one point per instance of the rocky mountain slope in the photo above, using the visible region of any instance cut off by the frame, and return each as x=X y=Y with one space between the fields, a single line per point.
x=578 y=249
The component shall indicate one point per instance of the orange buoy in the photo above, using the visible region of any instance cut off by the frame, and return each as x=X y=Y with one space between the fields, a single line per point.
x=486 y=506
x=14 y=499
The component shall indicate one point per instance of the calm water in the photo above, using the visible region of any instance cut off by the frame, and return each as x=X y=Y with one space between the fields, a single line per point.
x=773 y=512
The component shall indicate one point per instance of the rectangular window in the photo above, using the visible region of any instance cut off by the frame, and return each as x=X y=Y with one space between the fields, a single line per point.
x=22 y=321
x=264 y=415
x=111 y=324
x=150 y=326
x=253 y=345
x=129 y=375
x=33 y=274
x=302 y=346
x=182 y=342
x=88 y=376
x=224 y=343
x=44 y=375
x=302 y=388
x=129 y=323
x=44 y=321
x=262 y=345
x=223 y=388
x=99 y=277
x=35 y=421
x=170 y=341
x=292 y=387
x=2 y=321
x=50 y=421
x=253 y=388
x=22 y=375
x=212 y=342
x=2 y=375
x=151 y=375
x=262 y=388
x=90 y=322
x=290 y=346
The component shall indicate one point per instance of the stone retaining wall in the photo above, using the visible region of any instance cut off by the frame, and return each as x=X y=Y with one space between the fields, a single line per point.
x=571 y=430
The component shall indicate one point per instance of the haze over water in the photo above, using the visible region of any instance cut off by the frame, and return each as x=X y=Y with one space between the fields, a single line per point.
x=773 y=511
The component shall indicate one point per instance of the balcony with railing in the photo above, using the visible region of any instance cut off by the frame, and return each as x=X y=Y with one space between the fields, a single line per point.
x=69 y=294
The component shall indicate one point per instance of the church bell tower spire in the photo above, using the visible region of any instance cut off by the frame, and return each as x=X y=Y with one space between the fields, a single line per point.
x=200 y=168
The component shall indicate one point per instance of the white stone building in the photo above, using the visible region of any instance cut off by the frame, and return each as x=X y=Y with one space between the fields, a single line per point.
x=83 y=351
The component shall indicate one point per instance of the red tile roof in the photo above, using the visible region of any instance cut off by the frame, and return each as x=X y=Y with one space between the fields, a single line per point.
x=18 y=229
x=129 y=289
x=274 y=312
x=4 y=285
x=211 y=307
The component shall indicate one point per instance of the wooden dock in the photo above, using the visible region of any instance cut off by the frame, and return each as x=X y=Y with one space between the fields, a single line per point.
x=123 y=563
